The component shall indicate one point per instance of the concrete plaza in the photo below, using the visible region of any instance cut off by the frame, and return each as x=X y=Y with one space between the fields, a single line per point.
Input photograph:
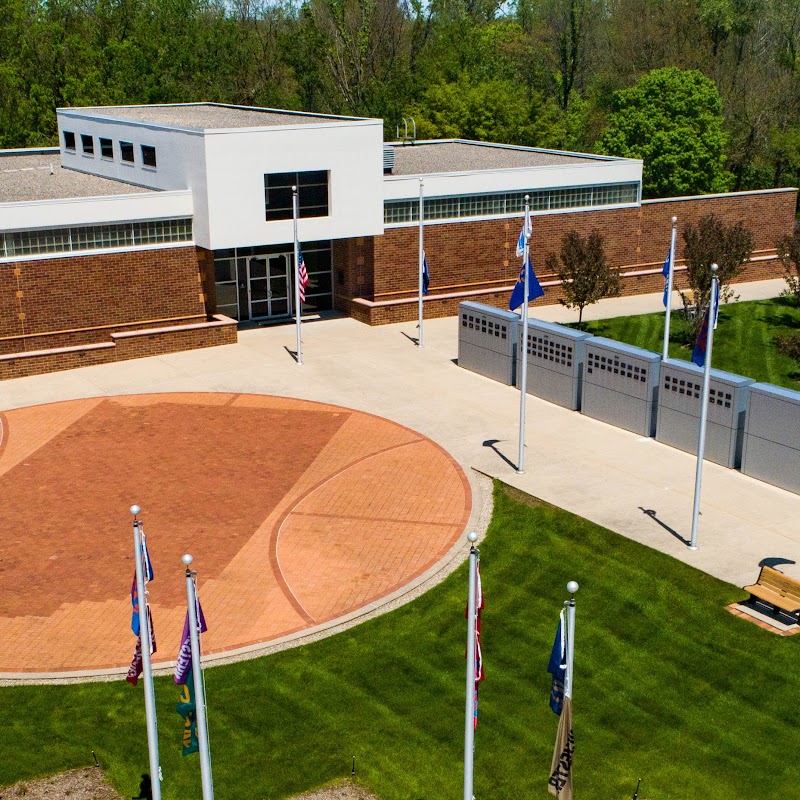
x=633 y=485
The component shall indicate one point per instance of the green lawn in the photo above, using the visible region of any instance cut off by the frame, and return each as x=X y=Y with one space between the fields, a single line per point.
x=743 y=341
x=668 y=685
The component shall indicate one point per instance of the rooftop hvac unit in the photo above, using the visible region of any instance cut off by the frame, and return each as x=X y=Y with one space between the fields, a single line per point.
x=388 y=159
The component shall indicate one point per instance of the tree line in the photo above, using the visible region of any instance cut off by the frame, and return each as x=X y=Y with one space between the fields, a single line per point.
x=705 y=91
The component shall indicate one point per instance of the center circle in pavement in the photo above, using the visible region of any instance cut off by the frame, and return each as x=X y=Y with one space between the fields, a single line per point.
x=297 y=513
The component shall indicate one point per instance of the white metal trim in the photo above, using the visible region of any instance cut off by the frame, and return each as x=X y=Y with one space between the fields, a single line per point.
x=99 y=252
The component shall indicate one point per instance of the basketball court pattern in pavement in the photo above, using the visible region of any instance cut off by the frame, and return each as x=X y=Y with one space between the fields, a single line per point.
x=297 y=513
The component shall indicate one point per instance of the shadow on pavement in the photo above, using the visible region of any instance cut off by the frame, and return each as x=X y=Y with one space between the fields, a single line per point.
x=650 y=512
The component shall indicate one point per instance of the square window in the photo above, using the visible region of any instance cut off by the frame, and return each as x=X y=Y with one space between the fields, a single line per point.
x=87 y=144
x=106 y=148
x=148 y=155
x=126 y=151
x=69 y=141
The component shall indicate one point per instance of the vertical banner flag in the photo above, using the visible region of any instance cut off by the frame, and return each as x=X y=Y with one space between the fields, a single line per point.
x=534 y=287
x=479 y=675
x=187 y=709
x=147 y=570
x=137 y=665
x=558 y=667
x=527 y=228
x=665 y=272
x=712 y=314
x=302 y=276
x=183 y=666
x=426 y=278
x=560 y=783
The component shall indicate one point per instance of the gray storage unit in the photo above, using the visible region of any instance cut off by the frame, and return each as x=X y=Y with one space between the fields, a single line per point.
x=620 y=385
x=487 y=341
x=772 y=436
x=555 y=363
x=679 y=411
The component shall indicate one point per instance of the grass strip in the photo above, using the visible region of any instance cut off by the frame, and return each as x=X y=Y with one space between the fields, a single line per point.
x=668 y=686
x=744 y=342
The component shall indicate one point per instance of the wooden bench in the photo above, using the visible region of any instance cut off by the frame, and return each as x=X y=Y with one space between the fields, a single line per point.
x=777 y=589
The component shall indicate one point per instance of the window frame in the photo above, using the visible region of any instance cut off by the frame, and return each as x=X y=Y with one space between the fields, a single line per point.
x=106 y=143
x=123 y=148
x=74 y=147
x=145 y=150
x=282 y=188
x=87 y=138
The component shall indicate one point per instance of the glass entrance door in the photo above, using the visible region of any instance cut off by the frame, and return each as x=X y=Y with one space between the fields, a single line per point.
x=257 y=289
x=268 y=286
x=280 y=285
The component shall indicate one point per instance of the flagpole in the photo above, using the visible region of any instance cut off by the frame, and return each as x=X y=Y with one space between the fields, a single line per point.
x=670 y=277
x=572 y=587
x=523 y=349
x=469 y=713
x=295 y=215
x=701 y=441
x=197 y=677
x=147 y=668
x=421 y=257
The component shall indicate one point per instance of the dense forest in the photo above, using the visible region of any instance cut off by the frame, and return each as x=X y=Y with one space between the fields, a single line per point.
x=706 y=91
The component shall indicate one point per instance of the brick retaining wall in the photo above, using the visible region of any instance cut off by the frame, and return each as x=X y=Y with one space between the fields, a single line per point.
x=475 y=260
x=76 y=311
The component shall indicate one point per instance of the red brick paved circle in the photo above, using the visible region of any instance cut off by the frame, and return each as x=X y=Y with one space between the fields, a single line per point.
x=296 y=513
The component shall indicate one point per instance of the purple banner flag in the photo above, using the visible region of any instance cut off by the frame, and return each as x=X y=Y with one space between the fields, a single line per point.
x=183 y=664
x=137 y=665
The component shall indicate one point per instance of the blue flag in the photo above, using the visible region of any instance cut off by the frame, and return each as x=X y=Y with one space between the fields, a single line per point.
x=710 y=318
x=534 y=288
x=426 y=278
x=665 y=273
x=147 y=569
x=558 y=668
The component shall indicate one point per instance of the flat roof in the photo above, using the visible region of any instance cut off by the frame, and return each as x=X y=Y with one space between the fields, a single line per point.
x=208 y=116
x=26 y=175
x=422 y=158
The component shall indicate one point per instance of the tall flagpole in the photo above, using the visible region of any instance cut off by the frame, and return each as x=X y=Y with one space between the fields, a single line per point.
x=421 y=257
x=669 y=286
x=572 y=587
x=147 y=668
x=701 y=441
x=295 y=215
x=197 y=677
x=523 y=349
x=469 y=713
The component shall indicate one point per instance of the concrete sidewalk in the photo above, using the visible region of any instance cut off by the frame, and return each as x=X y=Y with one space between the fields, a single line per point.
x=633 y=485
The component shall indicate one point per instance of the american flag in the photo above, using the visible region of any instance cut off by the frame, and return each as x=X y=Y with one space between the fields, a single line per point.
x=302 y=277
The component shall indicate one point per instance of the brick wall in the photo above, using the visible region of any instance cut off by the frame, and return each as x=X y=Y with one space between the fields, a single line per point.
x=78 y=300
x=473 y=258
x=121 y=347
x=83 y=301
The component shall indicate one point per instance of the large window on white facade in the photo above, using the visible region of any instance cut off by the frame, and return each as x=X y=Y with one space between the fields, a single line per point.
x=488 y=205
x=94 y=237
x=312 y=194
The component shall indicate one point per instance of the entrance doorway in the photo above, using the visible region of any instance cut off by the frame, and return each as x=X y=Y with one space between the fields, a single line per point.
x=258 y=282
x=265 y=286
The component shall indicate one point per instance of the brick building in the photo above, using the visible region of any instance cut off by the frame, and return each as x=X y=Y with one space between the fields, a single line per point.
x=159 y=228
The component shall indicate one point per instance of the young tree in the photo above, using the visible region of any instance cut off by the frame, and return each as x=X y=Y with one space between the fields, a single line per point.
x=584 y=272
x=672 y=120
x=789 y=254
x=711 y=241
